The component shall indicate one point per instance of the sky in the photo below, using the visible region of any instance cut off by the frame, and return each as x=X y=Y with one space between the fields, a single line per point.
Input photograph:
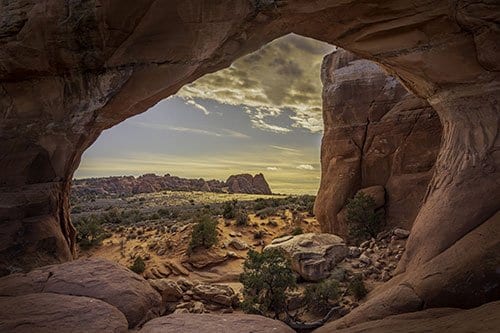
x=262 y=114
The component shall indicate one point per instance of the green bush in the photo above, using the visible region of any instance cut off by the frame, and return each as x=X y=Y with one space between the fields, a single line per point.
x=297 y=231
x=363 y=221
x=266 y=279
x=357 y=287
x=138 y=266
x=241 y=218
x=89 y=231
x=204 y=233
x=321 y=296
x=229 y=210
x=266 y=212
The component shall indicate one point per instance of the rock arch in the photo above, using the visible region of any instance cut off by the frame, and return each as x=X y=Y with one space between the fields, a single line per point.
x=70 y=69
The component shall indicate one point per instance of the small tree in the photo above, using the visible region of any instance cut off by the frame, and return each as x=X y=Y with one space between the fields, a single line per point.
x=89 y=231
x=266 y=279
x=363 y=221
x=321 y=296
x=139 y=266
x=357 y=287
x=229 y=211
x=204 y=233
x=241 y=218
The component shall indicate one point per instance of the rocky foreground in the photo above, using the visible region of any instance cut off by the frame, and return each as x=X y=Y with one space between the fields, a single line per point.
x=96 y=295
x=150 y=183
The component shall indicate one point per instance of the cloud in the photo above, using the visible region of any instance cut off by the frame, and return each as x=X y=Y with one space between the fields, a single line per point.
x=220 y=133
x=272 y=168
x=305 y=167
x=197 y=106
x=282 y=76
x=287 y=149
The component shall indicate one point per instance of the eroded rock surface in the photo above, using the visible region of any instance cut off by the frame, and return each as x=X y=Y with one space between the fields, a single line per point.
x=313 y=255
x=95 y=278
x=195 y=323
x=377 y=136
x=48 y=312
x=482 y=319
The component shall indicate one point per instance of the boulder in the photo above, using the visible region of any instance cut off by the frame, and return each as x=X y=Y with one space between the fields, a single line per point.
x=169 y=290
x=48 y=312
x=96 y=278
x=313 y=255
x=238 y=244
x=207 y=323
x=206 y=258
x=216 y=293
x=377 y=193
x=401 y=233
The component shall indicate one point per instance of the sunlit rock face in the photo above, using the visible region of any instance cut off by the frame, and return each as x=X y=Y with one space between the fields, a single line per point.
x=376 y=133
x=70 y=69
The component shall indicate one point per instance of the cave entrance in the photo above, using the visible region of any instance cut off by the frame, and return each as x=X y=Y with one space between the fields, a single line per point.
x=261 y=115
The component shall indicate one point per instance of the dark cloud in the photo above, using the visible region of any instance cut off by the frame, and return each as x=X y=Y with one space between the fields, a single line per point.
x=285 y=74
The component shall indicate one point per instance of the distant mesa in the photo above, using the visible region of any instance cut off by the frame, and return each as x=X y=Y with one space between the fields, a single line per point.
x=149 y=183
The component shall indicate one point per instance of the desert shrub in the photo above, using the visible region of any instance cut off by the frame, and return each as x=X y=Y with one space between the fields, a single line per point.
x=204 y=232
x=229 y=210
x=241 y=218
x=297 y=231
x=272 y=223
x=266 y=212
x=138 y=266
x=163 y=212
x=154 y=216
x=321 y=296
x=357 y=287
x=363 y=221
x=259 y=234
x=89 y=231
x=266 y=279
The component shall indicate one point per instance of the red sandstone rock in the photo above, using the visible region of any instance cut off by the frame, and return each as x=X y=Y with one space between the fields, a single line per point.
x=377 y=135
x=200 y=323
x=95 y=278
x=48 y=312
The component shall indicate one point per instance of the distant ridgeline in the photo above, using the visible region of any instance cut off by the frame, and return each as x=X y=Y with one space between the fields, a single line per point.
x=149 y=183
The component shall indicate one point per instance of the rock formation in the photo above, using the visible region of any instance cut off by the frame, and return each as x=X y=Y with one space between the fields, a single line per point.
x=70 y=69
x=313 y=256
x=376 y=133
x=191 y=323
x=481 y=319
x=149 y=183
x=48 y=312
x=94 y=278
x=245 y=183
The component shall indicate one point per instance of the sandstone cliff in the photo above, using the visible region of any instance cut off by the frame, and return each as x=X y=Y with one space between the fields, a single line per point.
x=149 y=183
x=376 y=133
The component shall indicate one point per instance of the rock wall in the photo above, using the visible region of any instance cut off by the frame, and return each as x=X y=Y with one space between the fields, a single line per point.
x=70 y=69
x=375 y=133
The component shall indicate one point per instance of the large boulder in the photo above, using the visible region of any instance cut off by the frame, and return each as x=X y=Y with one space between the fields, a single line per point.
x=95 y=278
x=484 y=319
x=313 y=255
x=208 y=323
x=48 y=312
